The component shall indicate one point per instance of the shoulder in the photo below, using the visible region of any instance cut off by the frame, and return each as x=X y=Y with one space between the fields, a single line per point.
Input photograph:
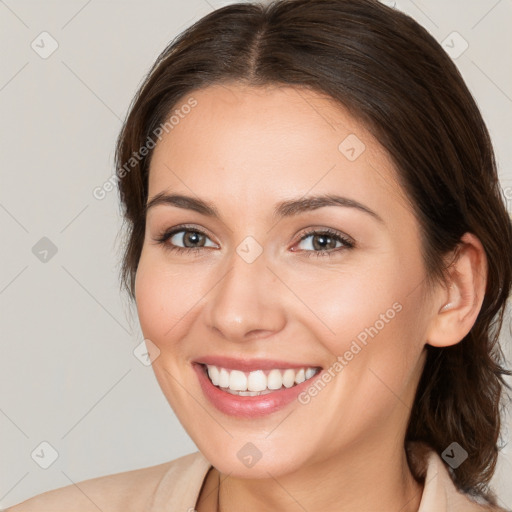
x=126 y=491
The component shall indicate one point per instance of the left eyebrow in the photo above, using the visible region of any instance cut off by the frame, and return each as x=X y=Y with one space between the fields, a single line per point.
x=304 y=204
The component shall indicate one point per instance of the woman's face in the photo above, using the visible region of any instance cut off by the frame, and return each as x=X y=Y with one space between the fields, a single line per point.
x=267 y=281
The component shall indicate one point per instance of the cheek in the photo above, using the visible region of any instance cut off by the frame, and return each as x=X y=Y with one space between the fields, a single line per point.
x=380 y=297
x=161 y=299
x=369 y=320
x=150 y=298
x=347 y=302
x=165 y=301
x=169 y=297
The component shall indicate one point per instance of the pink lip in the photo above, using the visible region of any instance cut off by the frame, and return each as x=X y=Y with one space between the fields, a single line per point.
x=249 y=406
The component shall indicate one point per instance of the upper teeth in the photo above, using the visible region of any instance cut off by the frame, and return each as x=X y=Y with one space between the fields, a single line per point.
x=258 y=380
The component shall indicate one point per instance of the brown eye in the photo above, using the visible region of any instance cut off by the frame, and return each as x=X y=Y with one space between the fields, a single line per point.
x=324 y=242
x=321 y=242
x=182 y=239
x=190 y=238
x=186 y=239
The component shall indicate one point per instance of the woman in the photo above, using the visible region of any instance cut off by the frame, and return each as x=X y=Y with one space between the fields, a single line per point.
x=319 y=252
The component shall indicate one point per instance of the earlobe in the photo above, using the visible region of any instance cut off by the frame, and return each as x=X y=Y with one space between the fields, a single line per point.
x=456 y=307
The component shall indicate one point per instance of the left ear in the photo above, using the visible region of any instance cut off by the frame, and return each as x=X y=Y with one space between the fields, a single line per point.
x=456 y=308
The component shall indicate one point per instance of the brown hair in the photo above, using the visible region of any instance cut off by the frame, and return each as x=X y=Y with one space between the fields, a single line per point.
x=391 y=74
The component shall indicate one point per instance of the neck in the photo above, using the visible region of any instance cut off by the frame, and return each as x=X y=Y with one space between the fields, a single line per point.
x=365 y=478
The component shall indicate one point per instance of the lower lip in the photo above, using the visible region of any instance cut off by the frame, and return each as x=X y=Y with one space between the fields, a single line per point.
x=248 y=406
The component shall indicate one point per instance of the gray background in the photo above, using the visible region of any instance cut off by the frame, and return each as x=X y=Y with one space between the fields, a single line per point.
x=68 y=375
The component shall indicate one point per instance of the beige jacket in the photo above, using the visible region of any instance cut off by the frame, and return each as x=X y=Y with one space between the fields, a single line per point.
x=174 y=487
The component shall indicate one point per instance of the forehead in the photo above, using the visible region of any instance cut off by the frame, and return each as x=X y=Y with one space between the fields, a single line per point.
x=254 y=143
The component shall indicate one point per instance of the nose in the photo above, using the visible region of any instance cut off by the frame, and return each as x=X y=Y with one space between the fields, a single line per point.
x=245 y=304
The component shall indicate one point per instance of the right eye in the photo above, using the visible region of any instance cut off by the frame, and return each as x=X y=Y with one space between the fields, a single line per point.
x=191 y=238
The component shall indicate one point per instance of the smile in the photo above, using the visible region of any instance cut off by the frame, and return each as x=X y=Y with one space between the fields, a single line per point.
x=252 y=388
x=258 y=382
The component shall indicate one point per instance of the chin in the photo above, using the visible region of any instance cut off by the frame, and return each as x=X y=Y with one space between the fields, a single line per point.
x=252 y=460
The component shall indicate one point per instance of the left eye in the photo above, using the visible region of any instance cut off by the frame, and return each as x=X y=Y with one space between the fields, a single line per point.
x=323 y=241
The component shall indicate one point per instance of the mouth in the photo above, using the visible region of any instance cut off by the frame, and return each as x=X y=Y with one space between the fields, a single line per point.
x=252 y=388
x=257 y=382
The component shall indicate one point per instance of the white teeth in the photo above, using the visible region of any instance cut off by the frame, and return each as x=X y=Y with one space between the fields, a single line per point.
x=237 y=381
x=247 y=393
x=213 y=373
x=289 y=378
x=223 y=378
x=309 y=373
x=257 y=382
x=274 y=380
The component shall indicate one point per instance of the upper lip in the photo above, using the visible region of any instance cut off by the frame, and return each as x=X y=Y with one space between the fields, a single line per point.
x=248 y=365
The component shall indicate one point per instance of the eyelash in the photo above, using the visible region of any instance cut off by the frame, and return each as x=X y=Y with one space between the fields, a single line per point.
x=336 y=235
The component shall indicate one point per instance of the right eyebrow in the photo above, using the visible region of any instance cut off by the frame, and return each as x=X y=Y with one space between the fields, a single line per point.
x=185 y=202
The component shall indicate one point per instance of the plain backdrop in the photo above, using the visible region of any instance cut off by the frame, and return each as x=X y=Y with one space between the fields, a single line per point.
x=68 y=375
